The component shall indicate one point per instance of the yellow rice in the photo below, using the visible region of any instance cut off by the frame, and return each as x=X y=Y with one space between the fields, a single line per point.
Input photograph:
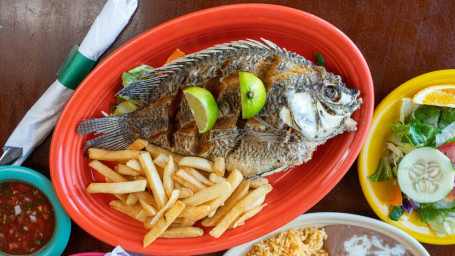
x=301 y=242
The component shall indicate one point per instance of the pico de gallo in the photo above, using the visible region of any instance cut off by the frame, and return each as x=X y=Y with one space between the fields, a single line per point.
x=27 y=219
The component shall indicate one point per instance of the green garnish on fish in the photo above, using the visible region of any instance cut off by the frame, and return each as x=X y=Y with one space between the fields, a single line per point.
x=319 y=59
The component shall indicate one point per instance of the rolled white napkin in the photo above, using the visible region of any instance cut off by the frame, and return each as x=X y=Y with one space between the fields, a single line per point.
x=42 y=117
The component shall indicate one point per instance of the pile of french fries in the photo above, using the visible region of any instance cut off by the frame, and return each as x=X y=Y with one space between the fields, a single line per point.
x=170 y=193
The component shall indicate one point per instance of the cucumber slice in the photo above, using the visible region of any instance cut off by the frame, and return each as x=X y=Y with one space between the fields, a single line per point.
x=425 y=175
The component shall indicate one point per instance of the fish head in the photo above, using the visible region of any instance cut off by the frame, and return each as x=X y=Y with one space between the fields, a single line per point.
x=318 y=111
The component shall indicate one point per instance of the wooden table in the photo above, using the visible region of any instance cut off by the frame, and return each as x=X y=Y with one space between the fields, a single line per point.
x=399 y=40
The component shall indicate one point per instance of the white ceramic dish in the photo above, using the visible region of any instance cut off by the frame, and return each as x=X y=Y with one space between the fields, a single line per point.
x=330 y=218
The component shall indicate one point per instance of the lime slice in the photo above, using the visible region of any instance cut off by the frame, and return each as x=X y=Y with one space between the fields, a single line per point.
x=253 y=94
x=125 y=107
x=203 y=106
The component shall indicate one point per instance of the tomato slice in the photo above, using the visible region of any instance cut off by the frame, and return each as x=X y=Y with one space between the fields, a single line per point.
x=449 y=150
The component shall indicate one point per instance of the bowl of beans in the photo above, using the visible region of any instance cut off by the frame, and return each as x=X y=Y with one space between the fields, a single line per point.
x=32 y=220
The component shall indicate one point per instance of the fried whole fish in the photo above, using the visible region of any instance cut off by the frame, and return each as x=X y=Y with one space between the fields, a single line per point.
x=305 y=106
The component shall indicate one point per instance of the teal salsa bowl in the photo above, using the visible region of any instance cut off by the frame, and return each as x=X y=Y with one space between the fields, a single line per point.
x=62 y=230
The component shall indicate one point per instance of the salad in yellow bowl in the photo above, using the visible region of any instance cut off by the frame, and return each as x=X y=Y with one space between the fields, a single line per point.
x=406 y=167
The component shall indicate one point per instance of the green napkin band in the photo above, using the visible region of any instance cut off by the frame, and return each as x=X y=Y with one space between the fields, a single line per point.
x=75 y=68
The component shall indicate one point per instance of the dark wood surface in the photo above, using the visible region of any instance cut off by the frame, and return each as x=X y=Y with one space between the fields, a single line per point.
x=399 y=40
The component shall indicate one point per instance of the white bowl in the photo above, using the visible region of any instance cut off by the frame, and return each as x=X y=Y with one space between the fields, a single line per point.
x=331 y=218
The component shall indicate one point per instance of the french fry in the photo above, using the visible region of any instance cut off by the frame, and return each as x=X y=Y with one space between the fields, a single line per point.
x=110 y=155
x=255 y=183
x=208 y=194
x=153 y=179
x=248 y=214
x=106 y=171
x=177 y=185
x=238 y=209
x=147 y=207
x=155 y=151
x=185 y=192
x=117 y=187
x=237 y=192
x=255 y=204
x=138 y=144
x=211 y=214
x=130 y=210
x=197 y=162
x=161 y=160
x=163 y=223
x=172 y=199
x=219 y=166
x=122 y=197
x=187 y=222
x=195 y=212
x=182 y=183
x=142 y=215
x=125 y=170
x=201 y=178
x=238 y=195
x=168 y=182
x=147 y=197
x=135 y=165
x=147 y=223
x=188 y=181
x=182 y=232
x=160 y=171
x=215 y=178
x=178 y=221
x=131 y=199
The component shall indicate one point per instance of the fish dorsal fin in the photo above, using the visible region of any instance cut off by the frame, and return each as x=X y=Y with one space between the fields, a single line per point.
x=181 y=71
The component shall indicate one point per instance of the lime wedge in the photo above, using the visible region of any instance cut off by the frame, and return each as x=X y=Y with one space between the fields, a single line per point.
x=253 y=94
x=125 y=107
x=203 y=106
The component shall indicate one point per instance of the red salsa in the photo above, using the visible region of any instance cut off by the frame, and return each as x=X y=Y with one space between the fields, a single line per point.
x=27 y=218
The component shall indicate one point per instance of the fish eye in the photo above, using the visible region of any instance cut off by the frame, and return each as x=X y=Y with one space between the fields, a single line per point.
x=331 y=92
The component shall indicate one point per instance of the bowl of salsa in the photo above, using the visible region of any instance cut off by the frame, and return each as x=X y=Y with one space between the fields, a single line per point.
x=32 y=220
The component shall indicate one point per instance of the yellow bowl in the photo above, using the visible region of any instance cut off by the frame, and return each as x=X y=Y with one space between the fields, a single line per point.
x=376 y=193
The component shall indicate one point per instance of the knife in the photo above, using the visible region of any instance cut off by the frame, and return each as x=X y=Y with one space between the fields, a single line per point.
x=39 y=121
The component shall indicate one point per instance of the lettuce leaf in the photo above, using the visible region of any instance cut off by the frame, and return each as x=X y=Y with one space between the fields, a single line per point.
x=384 y=170
x=400 y=129
x=443 y=225
x=447 y=205
x=446 y=135
x=125 y=104
x=428 y=115
x=428 y=212
x=421 y=134
x=448 y=115
x=135 y=74
x=438 y=226
x=407 y=108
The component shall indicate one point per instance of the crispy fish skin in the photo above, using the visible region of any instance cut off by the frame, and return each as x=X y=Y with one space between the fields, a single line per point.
x=305 y=106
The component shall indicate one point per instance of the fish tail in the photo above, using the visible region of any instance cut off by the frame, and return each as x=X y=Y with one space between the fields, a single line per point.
x=114 y=134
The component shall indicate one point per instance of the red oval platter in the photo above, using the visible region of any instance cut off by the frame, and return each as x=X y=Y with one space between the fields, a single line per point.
x=295 y=190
